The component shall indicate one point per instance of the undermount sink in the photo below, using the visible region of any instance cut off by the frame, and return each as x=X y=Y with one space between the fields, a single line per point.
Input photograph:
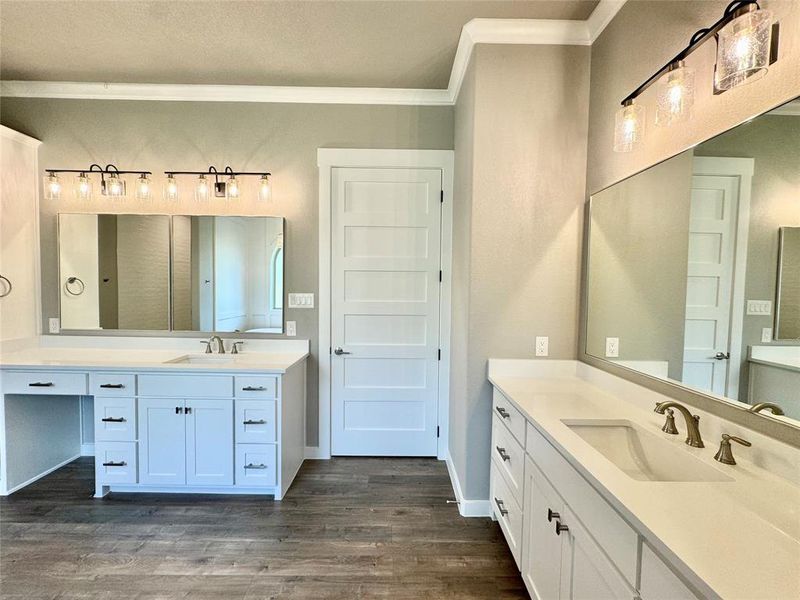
x=202 y=359
x=640 y=454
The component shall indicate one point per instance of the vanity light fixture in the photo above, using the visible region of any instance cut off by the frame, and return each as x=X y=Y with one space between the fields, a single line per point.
x=230 y=186
x=83 y=187
x=747 y=43
x=233 y=188
x=52 y=186
x=112 y=181
x=201 y=191
x=144 y=187
x=265 y=189
x=171 y=188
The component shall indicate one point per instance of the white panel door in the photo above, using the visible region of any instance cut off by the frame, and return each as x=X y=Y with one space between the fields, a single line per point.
x=385 y=261
x=162 y=441
x=209 y=442
x=712 y=242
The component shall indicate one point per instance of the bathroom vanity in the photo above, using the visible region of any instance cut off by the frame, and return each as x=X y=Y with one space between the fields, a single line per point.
x=162 y=420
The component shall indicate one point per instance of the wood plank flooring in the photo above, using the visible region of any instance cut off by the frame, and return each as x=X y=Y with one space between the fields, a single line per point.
x=348 y=528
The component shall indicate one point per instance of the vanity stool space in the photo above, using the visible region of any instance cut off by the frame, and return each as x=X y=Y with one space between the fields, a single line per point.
x=191 y=431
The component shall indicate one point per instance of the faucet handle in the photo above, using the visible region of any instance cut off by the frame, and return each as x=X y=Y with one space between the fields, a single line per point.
x=669 y=426
x=235 y=347
x=208 y=346
x=725 y=454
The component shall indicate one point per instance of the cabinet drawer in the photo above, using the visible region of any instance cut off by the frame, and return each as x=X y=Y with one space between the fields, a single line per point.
x=115 y=462
x=255 y=421
x=256 y=386
x=609 y=529
x=508 y=513
x=44 y=382
x=509 y=415
x=256 y=465
x=114 y=419
x=112 y=384
x=658 y=580
x=508 y=455
x=186 y=386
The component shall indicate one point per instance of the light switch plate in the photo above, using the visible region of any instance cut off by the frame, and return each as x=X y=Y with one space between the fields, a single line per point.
x=291 y=328
x=612 y=347
x=542 y=345
x=54 y=325
x=301 y=300
x=759 y=307
x=766 y=334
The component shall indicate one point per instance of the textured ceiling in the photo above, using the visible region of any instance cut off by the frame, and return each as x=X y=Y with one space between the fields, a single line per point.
x=408 y=44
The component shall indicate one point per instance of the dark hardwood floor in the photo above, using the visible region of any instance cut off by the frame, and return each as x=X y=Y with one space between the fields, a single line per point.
x=348 y=528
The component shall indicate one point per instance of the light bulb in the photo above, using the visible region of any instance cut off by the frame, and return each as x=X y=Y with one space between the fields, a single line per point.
x=743 y=48
x=628 y=126
x=143 y=187
x=83 y=187
x=233 y=188
x=675 y=95
x=171 y=188
x=265 y=189
x=201 y=190
x=114 y=186
x=52 y=187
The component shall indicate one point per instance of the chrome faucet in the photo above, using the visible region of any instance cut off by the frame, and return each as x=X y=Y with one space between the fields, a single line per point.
x=220 y=343
x=693 y=438
x=771 y=406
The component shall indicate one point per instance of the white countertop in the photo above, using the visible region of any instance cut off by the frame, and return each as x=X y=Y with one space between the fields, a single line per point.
x=738 y=539
x=783 y=357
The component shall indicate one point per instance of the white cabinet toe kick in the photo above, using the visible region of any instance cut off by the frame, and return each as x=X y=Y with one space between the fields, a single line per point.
x=219 y=433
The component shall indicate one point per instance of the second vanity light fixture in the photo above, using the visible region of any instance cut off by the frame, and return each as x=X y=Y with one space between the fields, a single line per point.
x=112 y=182
x=747 y=43
x=225 y=184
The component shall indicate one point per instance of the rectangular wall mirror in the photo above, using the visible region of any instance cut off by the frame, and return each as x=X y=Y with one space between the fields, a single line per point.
x=179 y=273
x=694 y=267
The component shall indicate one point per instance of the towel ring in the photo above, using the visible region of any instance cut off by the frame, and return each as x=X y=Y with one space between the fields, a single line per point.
x=71 y=281
x=7 y=284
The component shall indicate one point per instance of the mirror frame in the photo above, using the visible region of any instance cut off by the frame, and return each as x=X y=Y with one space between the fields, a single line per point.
x=720 y=406
x=169 y=332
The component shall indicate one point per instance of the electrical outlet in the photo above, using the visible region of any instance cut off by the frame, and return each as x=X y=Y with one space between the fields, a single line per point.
x=291 y=328
x=54 y=325
x=766 y=334
x=612 y=347
x=542 y=345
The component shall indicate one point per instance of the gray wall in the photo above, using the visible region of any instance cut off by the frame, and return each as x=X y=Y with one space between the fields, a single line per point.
x=521 y=127
x=188 y=136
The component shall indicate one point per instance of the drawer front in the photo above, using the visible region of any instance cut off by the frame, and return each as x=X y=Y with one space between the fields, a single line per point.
x=508 y=455
x=256 y=465
x=115 y=462
x=112 y=384
x=508 y=513
x=186 y=386
x=256 y=386
x=658 y=580
x=255 y=421
x=509 y=415
x=114 y=419
x=609 y=529
x=45 y=382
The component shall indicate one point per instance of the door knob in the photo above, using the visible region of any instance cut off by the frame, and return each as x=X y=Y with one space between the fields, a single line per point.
x=338 y=351
x=722 y=355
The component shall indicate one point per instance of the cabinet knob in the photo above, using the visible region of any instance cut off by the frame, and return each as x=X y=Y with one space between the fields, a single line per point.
x=560 y=527
x=552 y=515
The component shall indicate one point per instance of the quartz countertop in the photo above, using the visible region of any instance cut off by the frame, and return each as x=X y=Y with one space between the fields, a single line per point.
x=736 y=539
x=784 y=357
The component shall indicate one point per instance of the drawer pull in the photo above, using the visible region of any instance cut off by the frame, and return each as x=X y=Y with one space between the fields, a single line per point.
x=552 y=515
x=113 y=419
x=560 y=528
x=503 y=511
x=503 y=454
x=112 y=386
x=503 y=412
x=255 y=422
x=41 y=384
x=111 y=463
x=253 y=388
x=253 y=466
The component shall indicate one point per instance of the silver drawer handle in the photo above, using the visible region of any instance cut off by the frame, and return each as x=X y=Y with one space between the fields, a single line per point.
x=254 y=388
x=112 y=386
x=503 y=412
x=113 y=419
x=502 y=453
x=252 y=466
x=41 y=384
x=503 y=511
x=122 y=463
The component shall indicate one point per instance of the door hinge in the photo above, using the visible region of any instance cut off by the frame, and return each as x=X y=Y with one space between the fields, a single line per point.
x=330 y=350
x=441 y=196
x=439 y=354
x=440 y=277
x=437 y=431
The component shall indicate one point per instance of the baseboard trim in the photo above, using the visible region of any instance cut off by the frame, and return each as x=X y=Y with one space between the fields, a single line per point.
x=466 y=508
x=181 y=489
x=315 y=453
x=40 y=475
x=87 y=449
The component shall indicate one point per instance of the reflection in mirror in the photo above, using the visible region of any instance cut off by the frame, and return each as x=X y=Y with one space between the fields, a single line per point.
x=114 y=271
x=227 y=274
x=683 y=273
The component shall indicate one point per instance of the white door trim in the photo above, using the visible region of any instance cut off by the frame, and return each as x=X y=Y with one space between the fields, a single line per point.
x=742 y=168
x=327 y=159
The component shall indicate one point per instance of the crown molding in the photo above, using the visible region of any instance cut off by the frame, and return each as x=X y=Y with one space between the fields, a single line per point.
x=477 y=31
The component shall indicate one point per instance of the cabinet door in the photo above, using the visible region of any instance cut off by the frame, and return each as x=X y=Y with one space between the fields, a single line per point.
x=541 y=546
x=586 y=573
x=162 y=441
x=209 y=442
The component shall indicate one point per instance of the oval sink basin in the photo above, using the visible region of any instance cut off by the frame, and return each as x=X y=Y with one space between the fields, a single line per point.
x=201 y=359
x=640 y=454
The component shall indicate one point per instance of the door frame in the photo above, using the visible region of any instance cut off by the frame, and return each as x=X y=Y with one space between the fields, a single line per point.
x=328 y=159
x=743 y=168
